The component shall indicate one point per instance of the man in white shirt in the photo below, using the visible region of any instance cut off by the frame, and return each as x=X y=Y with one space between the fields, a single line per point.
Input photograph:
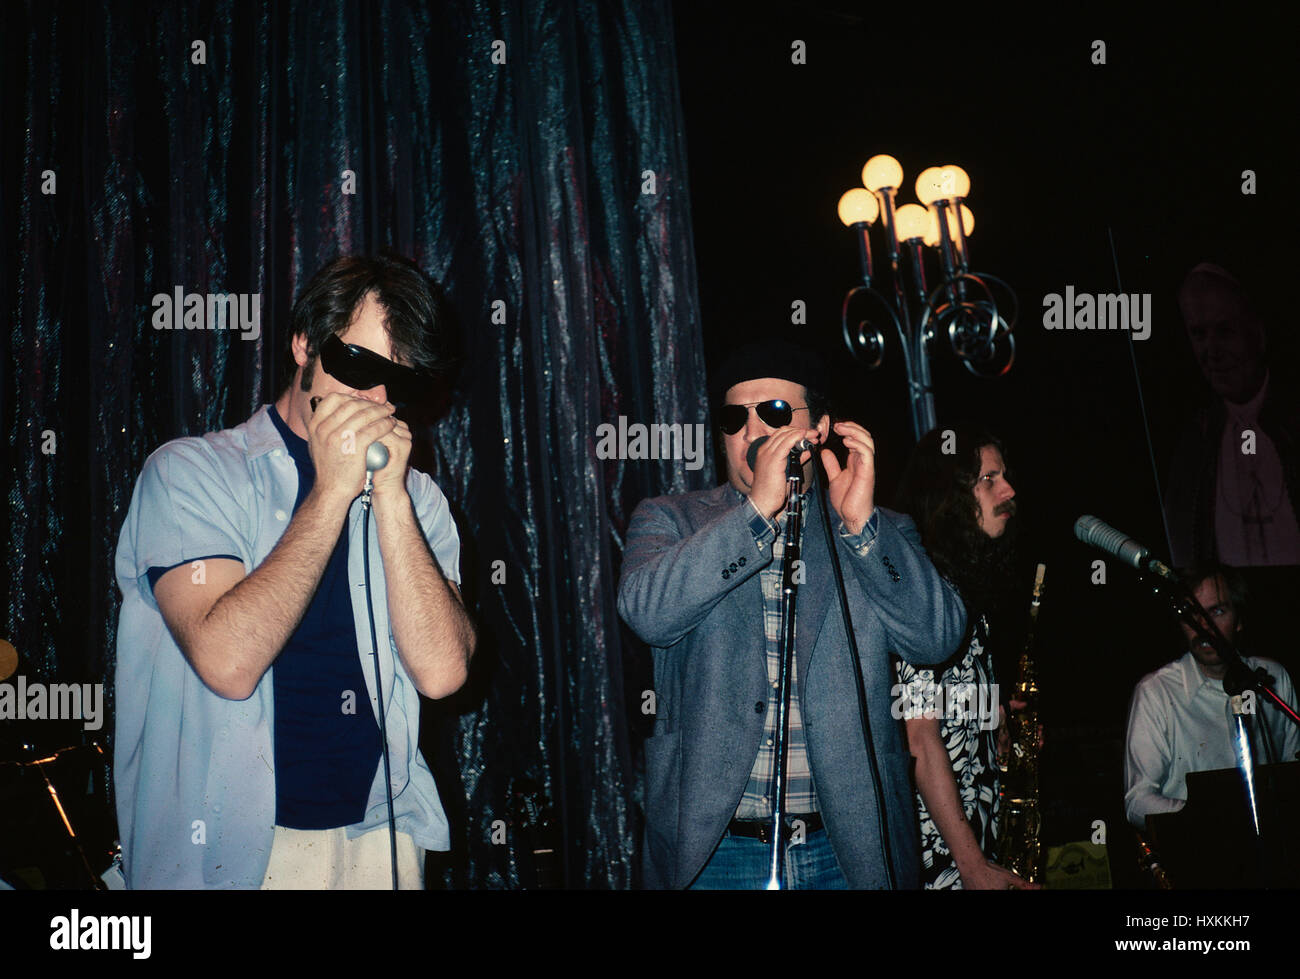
x=1178 y=720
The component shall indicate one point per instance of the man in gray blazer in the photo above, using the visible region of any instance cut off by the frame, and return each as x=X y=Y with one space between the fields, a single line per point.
x=701 y=585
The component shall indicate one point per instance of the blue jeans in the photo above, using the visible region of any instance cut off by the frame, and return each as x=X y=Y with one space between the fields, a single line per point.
x=741 y=863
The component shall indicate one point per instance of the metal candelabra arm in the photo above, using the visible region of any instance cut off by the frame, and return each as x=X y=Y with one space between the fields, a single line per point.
x=980 y=333
x=867 y=344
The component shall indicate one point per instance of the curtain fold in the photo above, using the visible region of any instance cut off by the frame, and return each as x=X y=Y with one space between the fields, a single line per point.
x=528 y=156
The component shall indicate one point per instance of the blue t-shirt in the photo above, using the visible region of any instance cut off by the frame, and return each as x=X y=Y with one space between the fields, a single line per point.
x=327 y=743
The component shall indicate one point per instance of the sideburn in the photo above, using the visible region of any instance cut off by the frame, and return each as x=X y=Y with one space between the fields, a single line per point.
x=308 y=372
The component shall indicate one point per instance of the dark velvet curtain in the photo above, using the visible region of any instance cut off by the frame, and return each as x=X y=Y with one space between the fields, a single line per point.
x=526 y=154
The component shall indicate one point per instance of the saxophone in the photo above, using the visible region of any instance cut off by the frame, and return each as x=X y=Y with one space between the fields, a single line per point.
x=1019 y=847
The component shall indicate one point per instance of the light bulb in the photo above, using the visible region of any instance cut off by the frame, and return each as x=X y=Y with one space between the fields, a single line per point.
x=954 y=181
x=932 y=224
x=910 y=222
x=928 y=185
x=882 y=171
x=931 y=238
x=858 y=206
x=967 y=221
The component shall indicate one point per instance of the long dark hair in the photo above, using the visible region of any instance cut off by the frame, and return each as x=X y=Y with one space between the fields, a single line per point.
x=937 y=491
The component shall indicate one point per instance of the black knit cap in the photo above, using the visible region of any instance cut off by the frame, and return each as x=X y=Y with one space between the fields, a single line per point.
x=769 y=358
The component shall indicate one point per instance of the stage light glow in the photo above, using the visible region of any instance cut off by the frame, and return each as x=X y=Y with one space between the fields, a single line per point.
x=932 y=224
x=858 y=206
x=954 y=181
x=882 y=171
x=910 y=222
x=929 y=185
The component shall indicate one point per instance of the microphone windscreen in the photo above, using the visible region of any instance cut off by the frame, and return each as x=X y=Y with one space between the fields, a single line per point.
x=752 y=455
x=376 y=456
x=1083 y=527
x=1102 y=535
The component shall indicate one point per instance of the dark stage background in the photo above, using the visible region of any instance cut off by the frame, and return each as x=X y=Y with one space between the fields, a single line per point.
x=1062 y=154
x=524 y=183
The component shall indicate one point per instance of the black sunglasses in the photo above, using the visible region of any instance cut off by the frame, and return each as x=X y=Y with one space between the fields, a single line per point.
x=774 y=414
x=363 y=369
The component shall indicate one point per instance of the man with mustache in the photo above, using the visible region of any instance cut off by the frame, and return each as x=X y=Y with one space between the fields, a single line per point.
x=957 y=490
x=701 y=584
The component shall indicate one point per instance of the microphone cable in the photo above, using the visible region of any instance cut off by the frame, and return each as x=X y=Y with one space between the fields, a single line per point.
x=379 y=688
x=376 y=458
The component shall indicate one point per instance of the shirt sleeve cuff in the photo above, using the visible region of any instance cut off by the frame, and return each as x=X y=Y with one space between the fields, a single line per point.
x=861 y=542
x=764 y=530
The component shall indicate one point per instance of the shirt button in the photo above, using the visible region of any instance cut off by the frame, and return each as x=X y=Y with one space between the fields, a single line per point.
x=769 y=742
x=280 y=515
x=275 y=453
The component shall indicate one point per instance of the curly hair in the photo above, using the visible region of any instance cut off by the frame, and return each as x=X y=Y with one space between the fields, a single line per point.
x=937 y=491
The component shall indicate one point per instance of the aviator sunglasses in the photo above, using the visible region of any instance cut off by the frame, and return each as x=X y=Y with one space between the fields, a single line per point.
x=363 y=369
x=774 y=414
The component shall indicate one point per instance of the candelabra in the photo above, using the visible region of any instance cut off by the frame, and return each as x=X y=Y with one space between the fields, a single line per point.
x=965 y=305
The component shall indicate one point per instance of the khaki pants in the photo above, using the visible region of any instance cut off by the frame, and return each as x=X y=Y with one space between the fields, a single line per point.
x=325 y=859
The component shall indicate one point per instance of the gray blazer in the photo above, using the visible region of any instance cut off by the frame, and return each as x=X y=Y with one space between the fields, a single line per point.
x=690 y=589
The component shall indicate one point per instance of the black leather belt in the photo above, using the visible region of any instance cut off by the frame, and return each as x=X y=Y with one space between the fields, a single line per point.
x=761 y=829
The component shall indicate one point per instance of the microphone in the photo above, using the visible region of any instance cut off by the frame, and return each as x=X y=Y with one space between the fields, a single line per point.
x=1102 y=535
x=800 y=447
x=376 y=457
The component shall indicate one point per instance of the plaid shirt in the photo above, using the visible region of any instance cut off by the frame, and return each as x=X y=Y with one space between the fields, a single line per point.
x=800 y=794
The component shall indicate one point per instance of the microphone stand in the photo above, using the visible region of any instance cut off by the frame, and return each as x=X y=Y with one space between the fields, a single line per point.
x=789 y=597
x=40 y=763
x=1237 y=678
